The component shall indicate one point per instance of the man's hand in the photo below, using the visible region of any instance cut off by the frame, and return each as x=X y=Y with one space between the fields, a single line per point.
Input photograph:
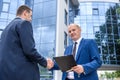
x=50 y=63
x=78 y=69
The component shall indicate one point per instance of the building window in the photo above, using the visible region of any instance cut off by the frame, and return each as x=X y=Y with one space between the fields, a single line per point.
x=119 y=31
x=65 y=39
x=0 y=33
x=77 y=12
x=95 y=11
x=5 y=7
x=65 y=20
x=6 y=0
x=66 y=1
x=96 y=29
x=1 y=5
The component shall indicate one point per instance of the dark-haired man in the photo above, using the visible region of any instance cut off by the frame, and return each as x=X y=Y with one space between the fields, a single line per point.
x=18 y=55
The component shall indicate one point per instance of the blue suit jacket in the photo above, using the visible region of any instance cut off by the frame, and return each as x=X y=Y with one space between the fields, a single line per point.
x=18 y=56
x=87 y=56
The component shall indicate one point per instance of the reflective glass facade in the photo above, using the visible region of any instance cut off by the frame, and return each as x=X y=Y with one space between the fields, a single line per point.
x=73 y=13
x=100 y=21
x=8 y=11
x=44 y=25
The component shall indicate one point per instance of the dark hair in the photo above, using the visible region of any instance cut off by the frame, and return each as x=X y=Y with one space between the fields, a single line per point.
x=21 y=9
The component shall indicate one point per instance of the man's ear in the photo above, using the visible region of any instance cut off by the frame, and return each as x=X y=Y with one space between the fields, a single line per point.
x=24 y=13
x=80 y=29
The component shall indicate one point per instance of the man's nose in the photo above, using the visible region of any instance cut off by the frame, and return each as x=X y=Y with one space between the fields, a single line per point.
x=72 y=32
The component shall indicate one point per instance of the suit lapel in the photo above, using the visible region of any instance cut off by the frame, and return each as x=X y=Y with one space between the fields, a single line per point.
x=69 y=50
x=71 y=47
x=79 y=49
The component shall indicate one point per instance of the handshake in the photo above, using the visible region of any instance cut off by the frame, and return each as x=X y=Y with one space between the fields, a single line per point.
x=76 y=68
x=50 y=63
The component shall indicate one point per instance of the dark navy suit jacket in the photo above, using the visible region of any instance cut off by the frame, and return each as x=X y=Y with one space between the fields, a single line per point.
x=87 y=56
x=18 y=56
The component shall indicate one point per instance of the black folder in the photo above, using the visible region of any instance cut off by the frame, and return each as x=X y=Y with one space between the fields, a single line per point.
x=65 y=63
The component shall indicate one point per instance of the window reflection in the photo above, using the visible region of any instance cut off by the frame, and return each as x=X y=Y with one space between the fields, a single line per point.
x=101 y=25
x=4 y=15
x=6 y=0
x=5 y=7
x=65 y=17
x=49 y=6
x=0 y=33
x=65 y=39
x=13 y=7
x=95 y=11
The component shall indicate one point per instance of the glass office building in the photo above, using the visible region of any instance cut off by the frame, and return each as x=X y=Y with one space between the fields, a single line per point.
x=100 y=21
x=44 y=25
x=8 y=11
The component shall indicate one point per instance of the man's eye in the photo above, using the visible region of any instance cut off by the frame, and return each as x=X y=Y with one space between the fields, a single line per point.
x=69 y=31
x=73 y=30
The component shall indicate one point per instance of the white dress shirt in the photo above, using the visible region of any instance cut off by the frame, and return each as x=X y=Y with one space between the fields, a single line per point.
x=70 y=75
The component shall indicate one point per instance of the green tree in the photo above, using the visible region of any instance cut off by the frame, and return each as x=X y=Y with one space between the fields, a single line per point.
x=110 y=75
x=108 y=36
x=117 y=74
x=118 y=10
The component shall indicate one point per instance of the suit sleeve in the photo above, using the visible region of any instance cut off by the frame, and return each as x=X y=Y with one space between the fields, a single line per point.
x=56 y=67
x=25 y=32
x=95 y=61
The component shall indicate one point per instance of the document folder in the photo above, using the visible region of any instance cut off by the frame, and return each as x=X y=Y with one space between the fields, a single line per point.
x=65 y=63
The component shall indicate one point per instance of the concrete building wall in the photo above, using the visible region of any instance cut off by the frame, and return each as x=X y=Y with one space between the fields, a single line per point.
x=61 y=7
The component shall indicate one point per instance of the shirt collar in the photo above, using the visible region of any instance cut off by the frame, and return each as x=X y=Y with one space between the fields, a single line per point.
x=20 y=17
x=78 y=41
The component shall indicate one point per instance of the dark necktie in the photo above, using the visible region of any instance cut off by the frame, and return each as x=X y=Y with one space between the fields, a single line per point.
x=74 y=49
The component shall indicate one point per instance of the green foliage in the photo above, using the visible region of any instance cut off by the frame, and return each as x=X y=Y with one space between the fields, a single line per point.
x=111 y=75
x=118 y=10
x=118 y=41
x=117 y=74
